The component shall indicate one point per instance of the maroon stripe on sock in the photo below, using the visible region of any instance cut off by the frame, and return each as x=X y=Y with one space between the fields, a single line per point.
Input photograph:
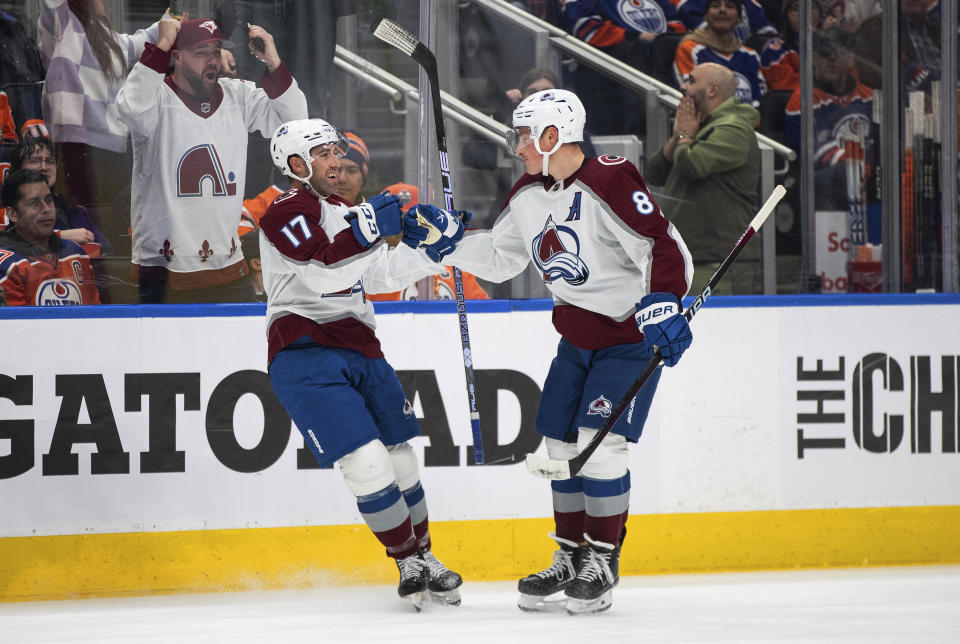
x=400 y=542
x=605 y=529
x=422 y=532
x=570 y=525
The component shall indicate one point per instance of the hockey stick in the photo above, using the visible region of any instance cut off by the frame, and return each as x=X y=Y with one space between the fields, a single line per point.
x=559 y=470
x=393 y=34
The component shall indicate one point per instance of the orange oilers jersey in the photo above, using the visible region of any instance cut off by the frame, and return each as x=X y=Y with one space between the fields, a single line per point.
x=254 y=208
x=61 y=277
x=445 y=289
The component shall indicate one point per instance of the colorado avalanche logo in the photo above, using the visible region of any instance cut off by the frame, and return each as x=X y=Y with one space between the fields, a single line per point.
x=209 y=25
x=407 y=408
x=643 y=15
x=58 y=292
x=600 y=407
x=552 y=257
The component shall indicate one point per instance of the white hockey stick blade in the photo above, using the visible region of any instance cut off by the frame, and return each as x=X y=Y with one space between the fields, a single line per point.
x=393 y=34
x=778 y=193
x=547 y=468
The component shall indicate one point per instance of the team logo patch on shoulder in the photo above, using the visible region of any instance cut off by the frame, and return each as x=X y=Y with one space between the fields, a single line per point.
x=600 y=407
x=286 y=195
x=58 y=292
x=610 y=159
x=556 y=252
x=407 y=408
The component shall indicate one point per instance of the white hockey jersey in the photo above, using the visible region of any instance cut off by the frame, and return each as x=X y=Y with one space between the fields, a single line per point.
x=316 y=274
x=189 y=165
x=599 y=240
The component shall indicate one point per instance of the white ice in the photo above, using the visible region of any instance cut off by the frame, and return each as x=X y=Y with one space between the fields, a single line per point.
x=875 y=605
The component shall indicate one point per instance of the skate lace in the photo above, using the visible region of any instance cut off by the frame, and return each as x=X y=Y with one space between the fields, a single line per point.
x=562 y=565
x=596 y=567
x=434 y=566
x=410 y=567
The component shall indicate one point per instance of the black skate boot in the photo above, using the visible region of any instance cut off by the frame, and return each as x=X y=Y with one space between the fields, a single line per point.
x=413 y=579
x=442 y=582
x=592 y=590
x=536 y=588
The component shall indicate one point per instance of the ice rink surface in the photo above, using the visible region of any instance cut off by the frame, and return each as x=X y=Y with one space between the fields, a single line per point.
x=893 y=604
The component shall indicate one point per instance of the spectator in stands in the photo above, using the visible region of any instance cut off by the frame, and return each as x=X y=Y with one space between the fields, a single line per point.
x=627 y=32
x=444 y=288
x=919 y=47
x=753 y=19
x=190 y=145
x=710 y=168
x=780 y=58
x=36 y=266
x=73 y=222
x=717 y=43
x=353 y=168
x=87 y=62
x=842 y=110
x=21 y=85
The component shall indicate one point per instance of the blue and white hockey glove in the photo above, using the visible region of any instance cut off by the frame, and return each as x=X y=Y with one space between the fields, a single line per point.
x=379 y=216
x=661 y=320
x=444 y=228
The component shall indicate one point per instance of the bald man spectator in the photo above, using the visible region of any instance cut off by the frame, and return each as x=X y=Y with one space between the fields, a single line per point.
x=710 y=168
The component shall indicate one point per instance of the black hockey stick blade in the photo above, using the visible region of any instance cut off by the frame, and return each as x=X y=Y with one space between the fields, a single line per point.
x=556 y=470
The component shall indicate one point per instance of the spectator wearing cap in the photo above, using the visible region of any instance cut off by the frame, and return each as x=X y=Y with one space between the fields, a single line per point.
x=842 y=109
x=88 y=61
x=189 y=134
x=353 y=168
x=444 y=288
x=717 y=42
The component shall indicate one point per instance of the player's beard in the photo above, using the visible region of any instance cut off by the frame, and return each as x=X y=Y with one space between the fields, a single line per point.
x=200 y=86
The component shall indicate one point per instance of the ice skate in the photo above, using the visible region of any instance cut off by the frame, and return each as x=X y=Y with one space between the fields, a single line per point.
x=592 y=590
x=413 y=579
x=442 y=583
x=536 y=589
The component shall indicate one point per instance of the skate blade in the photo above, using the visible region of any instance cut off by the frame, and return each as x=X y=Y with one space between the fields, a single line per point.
x=445 y=597
x=538 y=604
x=416 y=599
x=587 y=606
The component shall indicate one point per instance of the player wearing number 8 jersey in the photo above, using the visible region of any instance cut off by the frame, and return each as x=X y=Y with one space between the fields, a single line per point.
x=617 y=270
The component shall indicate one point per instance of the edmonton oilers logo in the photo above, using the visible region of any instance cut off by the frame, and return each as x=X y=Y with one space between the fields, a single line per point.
x=643 y=15
x=552 y=257
x=58 y=292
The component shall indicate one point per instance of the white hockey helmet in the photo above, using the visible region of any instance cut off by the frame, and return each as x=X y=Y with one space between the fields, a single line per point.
x=559 y=108
x=299 y=138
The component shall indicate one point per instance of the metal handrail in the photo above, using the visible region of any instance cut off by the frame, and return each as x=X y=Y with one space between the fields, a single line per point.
x=397 y=89
x=602 y=62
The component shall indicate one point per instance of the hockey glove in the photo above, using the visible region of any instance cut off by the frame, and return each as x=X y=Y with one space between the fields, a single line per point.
x=379 y=216
x=663 y=325
x=445 y=229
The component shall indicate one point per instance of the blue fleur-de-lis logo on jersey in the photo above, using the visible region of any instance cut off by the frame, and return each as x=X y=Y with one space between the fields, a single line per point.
x=553 y=255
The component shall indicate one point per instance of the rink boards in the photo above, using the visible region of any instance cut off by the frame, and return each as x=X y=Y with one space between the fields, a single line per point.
x=142 y=452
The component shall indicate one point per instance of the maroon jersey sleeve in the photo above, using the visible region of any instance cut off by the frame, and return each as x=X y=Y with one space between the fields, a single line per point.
x=618 y=183
x=294 y=225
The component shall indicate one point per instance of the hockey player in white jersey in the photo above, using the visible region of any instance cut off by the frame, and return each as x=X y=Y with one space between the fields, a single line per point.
x=617 y=269
x=319 y=255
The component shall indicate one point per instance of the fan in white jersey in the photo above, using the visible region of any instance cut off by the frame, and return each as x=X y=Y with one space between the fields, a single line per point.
x=617 y=270
x=320 y=254
x=189 y=134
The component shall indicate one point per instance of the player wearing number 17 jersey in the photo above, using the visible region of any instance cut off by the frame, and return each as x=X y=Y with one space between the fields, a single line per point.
x=617 y=269
x=319 y=255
